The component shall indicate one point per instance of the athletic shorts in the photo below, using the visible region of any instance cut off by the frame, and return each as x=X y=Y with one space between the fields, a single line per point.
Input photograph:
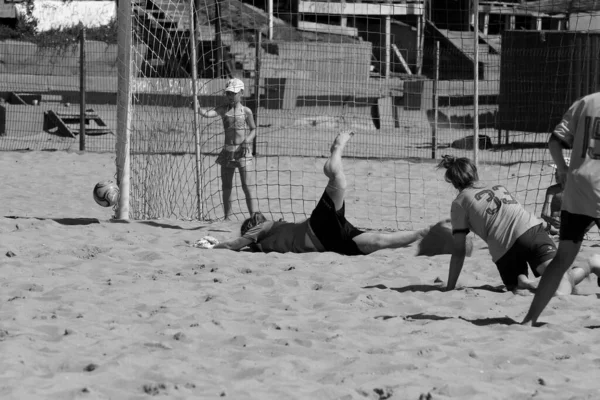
x=235 y=156
x=575 y=226
x=534 y=247
x=332 y=229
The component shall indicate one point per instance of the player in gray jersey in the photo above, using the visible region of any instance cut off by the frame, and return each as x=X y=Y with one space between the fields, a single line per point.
x=515 y=237
x=579 y=131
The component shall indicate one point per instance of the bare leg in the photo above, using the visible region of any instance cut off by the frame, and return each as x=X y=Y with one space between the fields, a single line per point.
x=571 y=278
x=227 y=186
x=334 y=170
x=551 y=279
x=248 y=186
x=370 y=242
x=594 y=264
x=580 y=272
x=566 y=285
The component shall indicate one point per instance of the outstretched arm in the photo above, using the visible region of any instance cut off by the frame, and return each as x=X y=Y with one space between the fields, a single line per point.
x=235 y=244
x=208 y=112
x=458 y=259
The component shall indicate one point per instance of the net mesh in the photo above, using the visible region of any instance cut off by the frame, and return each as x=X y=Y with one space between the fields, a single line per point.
x=398 y=73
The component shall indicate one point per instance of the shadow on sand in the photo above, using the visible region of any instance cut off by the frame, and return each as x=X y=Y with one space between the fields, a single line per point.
x=62 y=221
x=432 y=288
x=432 y=317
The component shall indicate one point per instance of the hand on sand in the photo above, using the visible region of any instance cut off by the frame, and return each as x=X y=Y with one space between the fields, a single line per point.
x=207 y=242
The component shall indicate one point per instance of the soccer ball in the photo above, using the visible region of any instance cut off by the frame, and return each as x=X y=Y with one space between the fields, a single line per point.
x=106 y=193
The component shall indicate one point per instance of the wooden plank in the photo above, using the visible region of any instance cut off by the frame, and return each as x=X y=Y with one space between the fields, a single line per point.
x=51 y=121
x=402 y=60
x=320 y=7
x=563 y=6
x=515 y=10
x=327 y=28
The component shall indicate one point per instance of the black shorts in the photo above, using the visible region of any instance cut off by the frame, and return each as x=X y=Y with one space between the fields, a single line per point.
x=574 y=226
x=534 y=247
x=241 y=157
x=332 y=229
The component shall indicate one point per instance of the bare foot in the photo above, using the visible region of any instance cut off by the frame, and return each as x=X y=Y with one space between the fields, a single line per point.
x=524 y=283
x=340 y=140
x=522 y=292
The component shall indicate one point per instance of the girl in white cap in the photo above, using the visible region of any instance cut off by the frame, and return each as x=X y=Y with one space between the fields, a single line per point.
x=240 y=130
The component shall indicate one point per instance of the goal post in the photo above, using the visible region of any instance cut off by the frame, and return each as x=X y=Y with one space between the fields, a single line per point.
x=193 y=43
x=122 y=146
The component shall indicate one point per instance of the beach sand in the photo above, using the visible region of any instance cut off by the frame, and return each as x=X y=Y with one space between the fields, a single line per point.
x=94 y=309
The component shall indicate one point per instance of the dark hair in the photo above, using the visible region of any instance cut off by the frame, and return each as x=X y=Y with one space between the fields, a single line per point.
x=255 y=219
x=460 y=172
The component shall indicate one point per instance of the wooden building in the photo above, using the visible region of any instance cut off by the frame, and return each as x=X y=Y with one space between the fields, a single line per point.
x=403 y=32
x=372 y=21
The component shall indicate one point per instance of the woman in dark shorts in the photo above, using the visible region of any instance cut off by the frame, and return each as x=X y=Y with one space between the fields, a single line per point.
x=327 y=228
x=516 y=239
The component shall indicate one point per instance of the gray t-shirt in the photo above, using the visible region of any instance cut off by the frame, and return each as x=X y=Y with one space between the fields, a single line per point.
x=281 y=237
x=492 y=214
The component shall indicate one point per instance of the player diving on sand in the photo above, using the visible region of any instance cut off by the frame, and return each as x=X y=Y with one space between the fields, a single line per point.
x=327 y=228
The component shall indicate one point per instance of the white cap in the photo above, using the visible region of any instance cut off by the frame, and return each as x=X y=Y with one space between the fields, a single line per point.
x=567 y=161
x=234 y=85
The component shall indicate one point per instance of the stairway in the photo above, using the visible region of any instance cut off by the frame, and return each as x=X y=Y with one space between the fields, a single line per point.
x=488 y=53
x=492 y=61
x=494 y=41
x=164 y=27
x=165 y=30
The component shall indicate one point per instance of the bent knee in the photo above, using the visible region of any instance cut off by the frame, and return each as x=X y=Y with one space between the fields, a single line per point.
x=594 y=260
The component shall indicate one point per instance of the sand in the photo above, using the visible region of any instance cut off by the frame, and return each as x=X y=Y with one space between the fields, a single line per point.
x=94 y=309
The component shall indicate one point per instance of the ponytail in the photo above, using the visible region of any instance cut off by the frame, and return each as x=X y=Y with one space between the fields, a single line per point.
x=460 y=171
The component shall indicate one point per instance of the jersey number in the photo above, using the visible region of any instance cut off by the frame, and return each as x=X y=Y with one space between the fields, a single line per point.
x=591 y=131
x=496 y=197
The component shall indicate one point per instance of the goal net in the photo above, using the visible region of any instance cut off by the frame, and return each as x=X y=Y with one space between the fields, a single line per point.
x=414 y=79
